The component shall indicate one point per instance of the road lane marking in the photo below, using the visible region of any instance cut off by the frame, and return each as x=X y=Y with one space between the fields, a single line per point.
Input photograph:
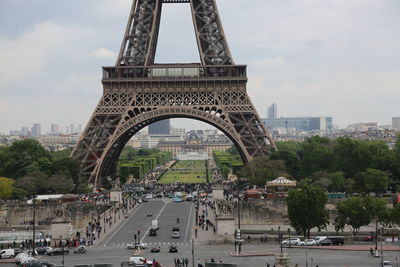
x=116 y=229
x=145 y=234
x=188 y=223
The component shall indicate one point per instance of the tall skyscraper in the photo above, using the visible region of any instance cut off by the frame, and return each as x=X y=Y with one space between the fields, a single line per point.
x=79 y=129
x=25 y=131
x=160 y=127
x=396 y=123
x=36 y=130
x=54 y=129
x=272 y=111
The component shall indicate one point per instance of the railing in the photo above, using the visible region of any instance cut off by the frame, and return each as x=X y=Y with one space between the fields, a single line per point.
x=174 y=71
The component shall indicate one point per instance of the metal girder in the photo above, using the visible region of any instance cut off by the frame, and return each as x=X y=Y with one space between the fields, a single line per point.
x=137 y=92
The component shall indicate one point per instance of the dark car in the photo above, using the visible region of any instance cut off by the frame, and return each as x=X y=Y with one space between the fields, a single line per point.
x=80 y=250
x=173 y=249
x=42 y=250
x=153 y=232
x=155 y=249
x=325 y=242
x=57 y=251
x=175 y=229
x=337 y=241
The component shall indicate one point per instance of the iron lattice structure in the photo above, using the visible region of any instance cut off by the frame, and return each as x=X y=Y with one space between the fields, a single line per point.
x=137 y=92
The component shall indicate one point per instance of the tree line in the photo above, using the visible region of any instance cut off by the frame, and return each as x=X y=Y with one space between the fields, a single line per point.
x=26 y=168
x=340 y=165
x=307 y=210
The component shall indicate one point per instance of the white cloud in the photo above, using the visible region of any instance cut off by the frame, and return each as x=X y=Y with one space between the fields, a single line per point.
x=103 y=53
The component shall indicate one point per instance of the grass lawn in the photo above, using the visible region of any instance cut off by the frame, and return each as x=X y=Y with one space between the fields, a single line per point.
x=186 y=172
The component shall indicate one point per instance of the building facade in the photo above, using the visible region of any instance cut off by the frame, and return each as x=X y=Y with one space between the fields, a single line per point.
x=396 y=123
x=160 y=127
x=272 y=111
x=194 y=143
x=300 y=123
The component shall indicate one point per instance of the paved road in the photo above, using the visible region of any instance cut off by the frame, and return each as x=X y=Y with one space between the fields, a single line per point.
x=166 y=212
x=116 y=255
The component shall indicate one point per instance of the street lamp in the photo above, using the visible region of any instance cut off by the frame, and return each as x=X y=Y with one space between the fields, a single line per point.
x=34 y=228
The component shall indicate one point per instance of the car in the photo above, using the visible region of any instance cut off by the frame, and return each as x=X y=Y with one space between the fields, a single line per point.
x=137 y=245
x=387 y=264
x=144 y=200
x=325 y=242
x=149 y=215
x=173 y=249
x=7 y=253
x=155 y=249
x=292 y=241
x=80 y=250
x=175 y=234
x=175 y=228
x=152 y=232
x=57 y=251
x=308 y=242
x=320 y=238
x=171 y=196
x=42 y=250
x=139 y=261
x=338 y=241
x=149 y=196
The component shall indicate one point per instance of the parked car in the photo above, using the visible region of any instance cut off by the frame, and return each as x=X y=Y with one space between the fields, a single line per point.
x=173 y=249
x=57 y=251
x=155 y=249
x=139 y=261
x=319 y=239
x=7 y=253
x=339 y=241
x=291 y=241
x=42 y=250
x=140 y=245
x=325 y=242
x=80 y=250
x=308 y=242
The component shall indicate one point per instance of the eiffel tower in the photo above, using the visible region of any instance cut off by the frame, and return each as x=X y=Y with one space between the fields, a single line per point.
x=137 y=92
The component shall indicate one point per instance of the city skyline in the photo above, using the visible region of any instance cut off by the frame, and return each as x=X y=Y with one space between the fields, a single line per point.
x=313 y=58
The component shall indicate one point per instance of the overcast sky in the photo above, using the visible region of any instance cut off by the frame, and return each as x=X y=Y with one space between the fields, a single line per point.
x=338 y=58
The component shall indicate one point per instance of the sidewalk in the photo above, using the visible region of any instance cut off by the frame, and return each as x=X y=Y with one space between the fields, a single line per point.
x=338 y=248
x=118 y=219
x=204 y=236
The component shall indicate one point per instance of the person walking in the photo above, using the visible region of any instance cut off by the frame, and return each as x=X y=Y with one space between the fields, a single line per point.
x=186 y=262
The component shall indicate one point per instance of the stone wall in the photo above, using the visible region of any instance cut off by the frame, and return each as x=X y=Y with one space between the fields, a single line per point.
x=262 y=212
x=77 y=213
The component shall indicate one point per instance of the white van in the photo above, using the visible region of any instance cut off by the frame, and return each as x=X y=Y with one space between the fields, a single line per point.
x=7 y=253
x=155 y=224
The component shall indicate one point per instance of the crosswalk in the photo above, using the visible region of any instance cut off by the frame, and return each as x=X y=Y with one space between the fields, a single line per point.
x=125 y=244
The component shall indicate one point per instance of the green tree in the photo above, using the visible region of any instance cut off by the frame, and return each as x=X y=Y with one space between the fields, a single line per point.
x=352 y=212
x=316 y=155
x=264 y=169
x=306 y=209
x=60 y=184
x=23 y=157
x=6 y=188
x=337 y=182
x=373 y=180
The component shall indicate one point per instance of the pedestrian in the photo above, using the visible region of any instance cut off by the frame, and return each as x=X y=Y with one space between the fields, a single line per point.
x=186 y=262
x=220 y=260
x=212 y=260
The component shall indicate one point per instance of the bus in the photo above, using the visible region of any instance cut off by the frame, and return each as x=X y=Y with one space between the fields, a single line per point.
x=178 y=197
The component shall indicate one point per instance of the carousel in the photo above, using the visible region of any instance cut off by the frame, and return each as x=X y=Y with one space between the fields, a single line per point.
x=280 y=184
